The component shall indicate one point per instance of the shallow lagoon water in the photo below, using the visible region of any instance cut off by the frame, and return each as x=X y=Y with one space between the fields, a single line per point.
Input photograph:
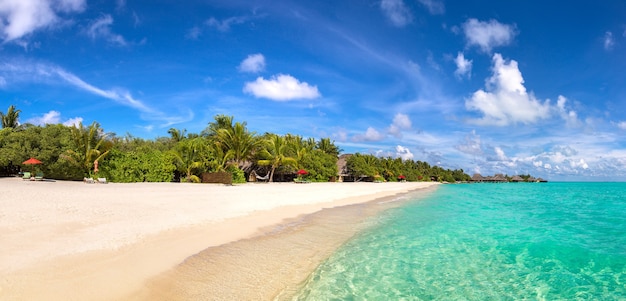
x=537 y=241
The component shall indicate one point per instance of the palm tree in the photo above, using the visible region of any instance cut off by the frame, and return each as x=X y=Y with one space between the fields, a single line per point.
x=176 y=134
x=221 y=122
x=275 y=154
x=237 y=140
x=11 y=118
x=189 y=155
x=328 y=147
x=90 y=145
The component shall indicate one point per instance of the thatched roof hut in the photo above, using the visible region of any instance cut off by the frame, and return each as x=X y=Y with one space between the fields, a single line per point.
x=499 y=178
x=477 y=178
x=517 y=179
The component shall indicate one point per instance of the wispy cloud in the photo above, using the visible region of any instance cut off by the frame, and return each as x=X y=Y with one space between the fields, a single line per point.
x=48 y=73
x=23 y=17
x=434 y=7
x=397 y=12
x=488 y=35
x=101 y=29
x=609 y=41
x=225 y=24
x=371 y=134
x=281 y=87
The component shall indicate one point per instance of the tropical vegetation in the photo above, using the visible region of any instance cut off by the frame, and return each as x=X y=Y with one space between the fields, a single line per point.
x=224 y=146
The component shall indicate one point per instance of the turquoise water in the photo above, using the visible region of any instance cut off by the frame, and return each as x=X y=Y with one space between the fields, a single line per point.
x=535 y=241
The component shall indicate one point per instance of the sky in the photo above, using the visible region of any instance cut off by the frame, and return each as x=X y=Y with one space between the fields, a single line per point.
x=512 y=87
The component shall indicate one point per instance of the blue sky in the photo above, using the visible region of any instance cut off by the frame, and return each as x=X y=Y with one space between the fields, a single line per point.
x=487 y=86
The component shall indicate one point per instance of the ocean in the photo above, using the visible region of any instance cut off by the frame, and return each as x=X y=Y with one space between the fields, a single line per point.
x=531 y=241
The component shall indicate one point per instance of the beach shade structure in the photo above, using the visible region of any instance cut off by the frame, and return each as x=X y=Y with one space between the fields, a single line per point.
x=302 y=172
x=401 y=177
x=32 y=161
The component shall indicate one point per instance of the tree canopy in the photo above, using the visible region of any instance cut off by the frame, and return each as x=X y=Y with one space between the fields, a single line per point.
x=225 y=145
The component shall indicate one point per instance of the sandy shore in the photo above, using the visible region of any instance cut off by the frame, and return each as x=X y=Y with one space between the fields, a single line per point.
x=75 y=241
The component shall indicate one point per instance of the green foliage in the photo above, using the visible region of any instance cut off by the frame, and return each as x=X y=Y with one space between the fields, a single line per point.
x=140 y=165
x=369 y=166
x=320 y=166
x=275 y=154
x=238 y=175
x=89 y=144
x=191 y=158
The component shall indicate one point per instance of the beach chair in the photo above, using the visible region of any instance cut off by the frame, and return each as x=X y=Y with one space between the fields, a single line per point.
x=102 y=181
x=26 y=176
x=88 y=180
x=39 y=176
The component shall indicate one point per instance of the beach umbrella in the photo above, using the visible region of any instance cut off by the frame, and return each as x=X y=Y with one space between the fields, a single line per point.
x=302 y=172
x=32 y=161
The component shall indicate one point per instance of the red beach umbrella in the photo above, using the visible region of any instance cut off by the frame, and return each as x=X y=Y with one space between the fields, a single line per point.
x=32 y=161
x=302 y=172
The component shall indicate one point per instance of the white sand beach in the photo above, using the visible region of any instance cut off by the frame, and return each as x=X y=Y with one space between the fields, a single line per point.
x=75 y=241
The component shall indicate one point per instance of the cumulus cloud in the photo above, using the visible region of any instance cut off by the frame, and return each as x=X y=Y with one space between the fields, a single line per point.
x=622 y=125
x=397 y=12
x=254 y=63
x=101 y=28
x=281 y=87
x=463 y=66
x=609 y=41
x=19 y=18
x=487 y=35
x=434 y=7
x=505 y=100
x=371 y=134
x=400 y=122
x=403 y=152
x=53 y=117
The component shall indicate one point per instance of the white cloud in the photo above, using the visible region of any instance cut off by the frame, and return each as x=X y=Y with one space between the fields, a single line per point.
x=404 y=153
x=500 y=155
x=570 y=116
x=622 y=125
x=434 y=7
x=101 y=28
x=281 y=87
x=53 y=117
x=46 y=73
x=371 y=134
x=487 y=35
x=505 y=100
x=463 y=66
x=400 y=122
x=254 y=63
x=397 y=12
x=19 y=18
x=73 y=121
x=471 y=145
x=609 y=41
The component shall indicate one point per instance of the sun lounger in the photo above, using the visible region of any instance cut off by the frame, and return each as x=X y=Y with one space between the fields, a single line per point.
x=39 y=176
x=26 y=176
x=88 y=180
x=102 y=181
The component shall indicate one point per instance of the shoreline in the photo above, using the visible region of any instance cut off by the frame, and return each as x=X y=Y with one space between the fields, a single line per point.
x=104 y=242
